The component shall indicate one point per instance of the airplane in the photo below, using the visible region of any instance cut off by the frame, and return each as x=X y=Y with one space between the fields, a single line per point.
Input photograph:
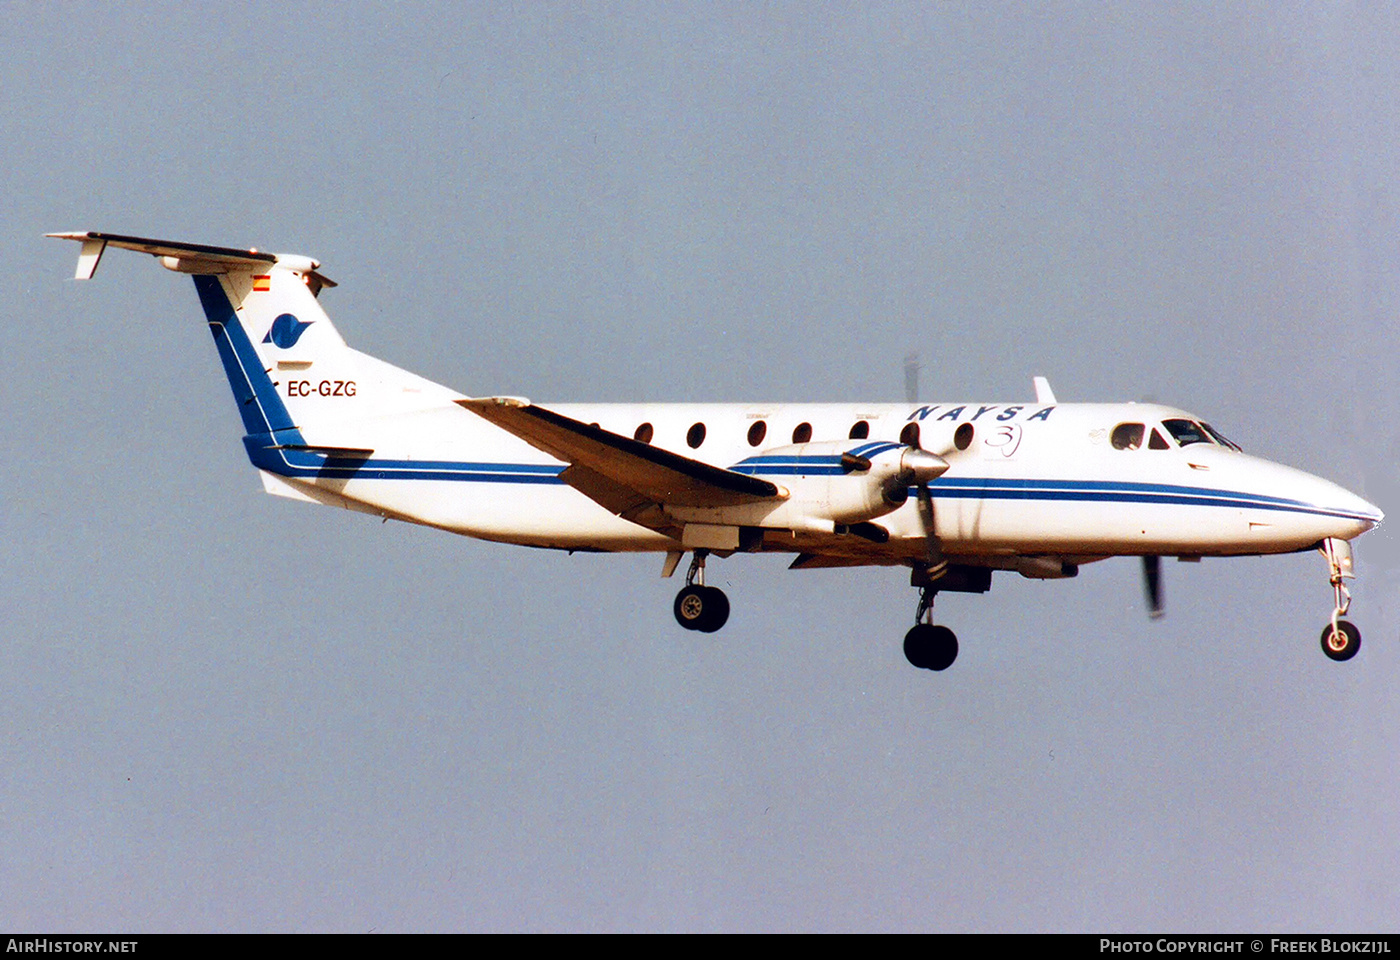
x=952 y=492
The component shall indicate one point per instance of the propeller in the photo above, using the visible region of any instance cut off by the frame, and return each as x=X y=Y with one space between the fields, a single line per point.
x=911 y=377
x=1152 y=585
x=918 y=466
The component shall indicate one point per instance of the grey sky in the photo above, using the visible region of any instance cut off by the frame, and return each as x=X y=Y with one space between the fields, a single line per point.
x=227 y=711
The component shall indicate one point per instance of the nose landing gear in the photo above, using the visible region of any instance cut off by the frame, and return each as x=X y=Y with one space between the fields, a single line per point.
x=697 y=606
x=1340 y=638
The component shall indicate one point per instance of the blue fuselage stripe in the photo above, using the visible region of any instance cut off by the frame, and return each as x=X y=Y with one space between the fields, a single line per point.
x=259 y=405
x=307 y=465
x=1135 y=493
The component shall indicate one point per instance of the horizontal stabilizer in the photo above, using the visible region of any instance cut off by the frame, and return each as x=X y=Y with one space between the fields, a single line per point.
x=606 y=465
x=192 y=258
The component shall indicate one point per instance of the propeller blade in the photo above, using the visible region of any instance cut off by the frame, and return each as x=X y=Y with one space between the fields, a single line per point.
x=1152 y=584
x=934 y=560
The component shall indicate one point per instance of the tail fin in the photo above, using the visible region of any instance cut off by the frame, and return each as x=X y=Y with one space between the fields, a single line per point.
x=291 y=372
x=267 y=324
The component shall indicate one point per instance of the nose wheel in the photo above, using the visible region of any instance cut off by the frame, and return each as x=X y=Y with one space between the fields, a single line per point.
x=1340 y=642
x=697 y=606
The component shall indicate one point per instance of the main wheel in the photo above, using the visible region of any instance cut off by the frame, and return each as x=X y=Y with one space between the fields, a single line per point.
x=930 y=648
x=1343 y=644
x=701 y=608
x=716 y=610
x=690 y=607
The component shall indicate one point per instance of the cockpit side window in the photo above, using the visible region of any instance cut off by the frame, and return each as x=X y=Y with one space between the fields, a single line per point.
x=1156 y=442
x=1221 y=438
x=1187 y=432
x=1127 y=436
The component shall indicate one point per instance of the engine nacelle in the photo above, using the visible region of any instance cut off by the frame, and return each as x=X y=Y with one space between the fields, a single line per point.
x=845 y=482
x=824 y=486
x=1046 y=568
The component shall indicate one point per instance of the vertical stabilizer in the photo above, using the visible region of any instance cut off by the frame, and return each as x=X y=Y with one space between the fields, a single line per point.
x=303 y=395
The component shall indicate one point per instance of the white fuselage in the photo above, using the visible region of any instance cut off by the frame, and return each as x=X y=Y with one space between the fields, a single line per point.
x=1019 y=485
x=1032 y=479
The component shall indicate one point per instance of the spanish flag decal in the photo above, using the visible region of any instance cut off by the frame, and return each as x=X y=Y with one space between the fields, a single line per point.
x=263 y=283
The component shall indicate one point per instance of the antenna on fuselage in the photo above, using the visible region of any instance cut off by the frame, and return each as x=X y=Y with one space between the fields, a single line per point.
x=911 y=377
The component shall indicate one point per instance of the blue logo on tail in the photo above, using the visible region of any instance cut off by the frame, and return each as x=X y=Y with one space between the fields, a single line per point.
x=286 y=331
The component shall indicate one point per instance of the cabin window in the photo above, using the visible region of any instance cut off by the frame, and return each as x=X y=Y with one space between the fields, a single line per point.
x=859 y=430
x=1186 y=432
x=1156 y=442
x=802 y=433
x=962 y=439
x=757 y=432
x=1128 y=436
x=695 y=435
x=644 y=433
x=909 y=436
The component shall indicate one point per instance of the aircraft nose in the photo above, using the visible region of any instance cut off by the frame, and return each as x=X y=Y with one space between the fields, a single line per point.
x=1352 y=515
x=1307 y=508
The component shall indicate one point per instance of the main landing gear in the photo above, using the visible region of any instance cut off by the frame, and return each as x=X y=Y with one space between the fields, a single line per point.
x=928 y=646
x=697 y=606
x=1340 y=638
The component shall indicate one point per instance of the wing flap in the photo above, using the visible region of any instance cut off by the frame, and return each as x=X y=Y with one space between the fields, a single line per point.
x=621 y=500
x=624 y=475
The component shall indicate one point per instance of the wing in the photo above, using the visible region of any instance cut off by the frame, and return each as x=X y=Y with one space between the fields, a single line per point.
x=630 y=478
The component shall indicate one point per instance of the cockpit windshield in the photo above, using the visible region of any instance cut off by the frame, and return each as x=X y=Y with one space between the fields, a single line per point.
x=1187 y=432
x=1221 y=438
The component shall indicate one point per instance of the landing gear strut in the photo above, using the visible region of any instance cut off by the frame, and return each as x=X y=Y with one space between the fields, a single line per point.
x=927 y=646
x=697 y=606
x=1340 y=638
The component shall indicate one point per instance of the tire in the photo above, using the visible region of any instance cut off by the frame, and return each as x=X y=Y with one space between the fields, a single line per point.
x=916 y=645
x=701 y=608
x=930 y=648
x=943 y=648
x=1346 y=643
x=716 y=610
x=689 y=607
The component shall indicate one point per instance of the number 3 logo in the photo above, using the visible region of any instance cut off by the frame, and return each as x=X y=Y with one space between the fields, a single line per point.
x=1005 y=439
